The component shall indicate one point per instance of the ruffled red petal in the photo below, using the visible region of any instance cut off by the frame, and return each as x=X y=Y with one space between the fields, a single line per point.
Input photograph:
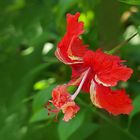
x=115 y=102
x=69 y=109
x=60 y=96
x=108 y=69
x=71 y=49
x=73 y=26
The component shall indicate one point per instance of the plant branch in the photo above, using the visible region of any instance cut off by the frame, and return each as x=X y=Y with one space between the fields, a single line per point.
x=121 y=44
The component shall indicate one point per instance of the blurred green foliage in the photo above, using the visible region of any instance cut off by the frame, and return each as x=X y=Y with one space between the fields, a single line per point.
x=132 y=2
x=29 y=69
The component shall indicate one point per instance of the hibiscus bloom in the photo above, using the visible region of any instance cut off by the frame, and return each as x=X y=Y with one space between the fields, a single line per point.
x=61 y=100
x=94 y=72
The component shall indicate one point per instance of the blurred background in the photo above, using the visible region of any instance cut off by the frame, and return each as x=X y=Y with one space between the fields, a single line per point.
x=29 y=33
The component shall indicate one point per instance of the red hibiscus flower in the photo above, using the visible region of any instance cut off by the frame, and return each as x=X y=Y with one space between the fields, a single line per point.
x=61 y=100
x=94 y=72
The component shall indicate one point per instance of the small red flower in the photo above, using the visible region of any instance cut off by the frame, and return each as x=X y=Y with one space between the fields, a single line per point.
x=60 y=96
x=61 y=99
x=70 y=109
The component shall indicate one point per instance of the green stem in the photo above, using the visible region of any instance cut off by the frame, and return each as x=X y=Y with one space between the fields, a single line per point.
x=125 y=131
x=129 y=124
x=28 y=99
x=121 y=44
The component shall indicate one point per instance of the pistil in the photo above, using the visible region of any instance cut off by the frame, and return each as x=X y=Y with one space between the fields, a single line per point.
x=80 y=85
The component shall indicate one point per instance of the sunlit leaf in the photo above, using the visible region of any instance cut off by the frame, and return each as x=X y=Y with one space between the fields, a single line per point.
x=43 y=84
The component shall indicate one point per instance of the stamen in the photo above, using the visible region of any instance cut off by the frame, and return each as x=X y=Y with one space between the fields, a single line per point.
x=80 y=86
x=50 y=108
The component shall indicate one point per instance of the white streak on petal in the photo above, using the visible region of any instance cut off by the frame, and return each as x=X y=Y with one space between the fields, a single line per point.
x=100 y=82
x=69 y=51
x=62 y=59
x=93 y=95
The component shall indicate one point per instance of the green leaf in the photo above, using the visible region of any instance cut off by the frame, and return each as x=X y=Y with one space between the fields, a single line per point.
x=18 y=4
x=40 y=115
x=132 y=2
x=136 y=109
x=42 y=97
x=139 y=30
x=66 y=129
x=84 y=131
x=43 y=84
x=23 y=90
x=62 y=9
x=68 y=4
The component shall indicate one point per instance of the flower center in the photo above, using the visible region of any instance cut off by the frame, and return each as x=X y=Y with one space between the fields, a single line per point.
x=80 y=85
